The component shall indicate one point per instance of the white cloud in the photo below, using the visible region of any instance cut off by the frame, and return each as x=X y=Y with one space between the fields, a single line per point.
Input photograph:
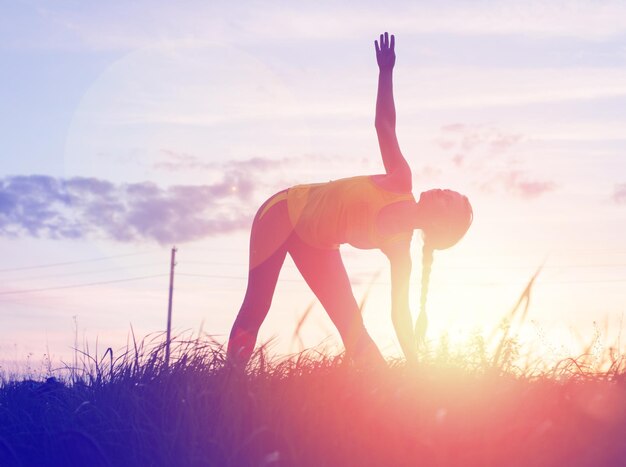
x=126 y=25
x=455 y=87
x=619 y=193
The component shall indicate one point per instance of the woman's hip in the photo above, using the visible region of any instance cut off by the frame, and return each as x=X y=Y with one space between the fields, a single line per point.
x=271 y=229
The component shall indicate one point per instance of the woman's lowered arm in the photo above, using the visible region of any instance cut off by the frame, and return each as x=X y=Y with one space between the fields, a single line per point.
x=385 y=122
x=400 y=261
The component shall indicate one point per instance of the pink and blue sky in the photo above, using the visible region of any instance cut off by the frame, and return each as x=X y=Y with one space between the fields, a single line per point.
x=130 y=127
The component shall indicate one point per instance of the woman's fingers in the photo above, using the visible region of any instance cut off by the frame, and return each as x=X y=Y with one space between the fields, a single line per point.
x=385 y=43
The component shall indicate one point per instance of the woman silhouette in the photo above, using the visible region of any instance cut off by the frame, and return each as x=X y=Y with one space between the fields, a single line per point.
x=371 y=211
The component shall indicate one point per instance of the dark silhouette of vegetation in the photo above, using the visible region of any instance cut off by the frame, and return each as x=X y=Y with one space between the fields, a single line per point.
x=456 y=407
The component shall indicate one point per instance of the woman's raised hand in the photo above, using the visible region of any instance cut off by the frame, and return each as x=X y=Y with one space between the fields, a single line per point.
x=385 y=54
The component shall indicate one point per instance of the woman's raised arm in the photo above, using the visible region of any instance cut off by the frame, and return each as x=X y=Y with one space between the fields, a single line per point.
x=385 y=122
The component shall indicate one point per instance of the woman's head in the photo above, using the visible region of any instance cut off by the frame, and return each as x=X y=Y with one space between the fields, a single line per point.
x=446 y=216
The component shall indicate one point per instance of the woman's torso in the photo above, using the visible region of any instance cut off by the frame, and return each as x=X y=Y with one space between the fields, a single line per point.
x=326 y=215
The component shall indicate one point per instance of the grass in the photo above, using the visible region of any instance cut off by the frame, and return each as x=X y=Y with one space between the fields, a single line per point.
x=481 y=405
x=455 y=408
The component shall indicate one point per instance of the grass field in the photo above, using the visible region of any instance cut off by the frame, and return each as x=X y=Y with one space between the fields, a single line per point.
x=452 y=409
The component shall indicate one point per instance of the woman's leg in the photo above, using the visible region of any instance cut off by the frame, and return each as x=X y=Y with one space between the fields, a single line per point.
x=324 y=272
x=270 y=230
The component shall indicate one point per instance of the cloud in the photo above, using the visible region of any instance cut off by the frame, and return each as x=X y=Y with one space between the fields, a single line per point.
x=79 y=208
x=290 y=169
x=124 y=25
x=453 y=127
x=619 y=194
x=462 y=139
x=427 y=173
x=502 y=141
x=517 y=183
x=531 y=189
x=180 y=161
x=177 y=161
x=474 y=147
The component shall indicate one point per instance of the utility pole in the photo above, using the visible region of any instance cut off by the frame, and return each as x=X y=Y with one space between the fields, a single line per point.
x=169 y=309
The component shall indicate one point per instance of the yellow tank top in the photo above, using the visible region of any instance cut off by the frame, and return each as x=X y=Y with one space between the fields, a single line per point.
x=326 y=215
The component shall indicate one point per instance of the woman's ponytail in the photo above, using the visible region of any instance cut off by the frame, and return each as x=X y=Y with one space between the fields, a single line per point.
x=422 y=320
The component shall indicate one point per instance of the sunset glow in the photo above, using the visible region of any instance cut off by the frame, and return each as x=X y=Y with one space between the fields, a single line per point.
x=126 y=133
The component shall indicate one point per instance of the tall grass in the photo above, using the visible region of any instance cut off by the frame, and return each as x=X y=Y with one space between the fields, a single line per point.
x=457 y=407
x=481 y=404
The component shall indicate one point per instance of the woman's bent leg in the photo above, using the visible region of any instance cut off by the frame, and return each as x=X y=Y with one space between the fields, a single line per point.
x=324 y=272
x=256 y=304
x=270 y=231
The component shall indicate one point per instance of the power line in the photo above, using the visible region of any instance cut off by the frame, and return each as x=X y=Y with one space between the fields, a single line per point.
x=217 y=276
x=461 y=266
x=79 y=273
x=66 y=263
x=593 y=281
x=555 y=266
x=490 y=250
x=75 y=286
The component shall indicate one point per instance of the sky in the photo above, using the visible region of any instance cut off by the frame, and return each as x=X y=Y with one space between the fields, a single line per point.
x=128 y=128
